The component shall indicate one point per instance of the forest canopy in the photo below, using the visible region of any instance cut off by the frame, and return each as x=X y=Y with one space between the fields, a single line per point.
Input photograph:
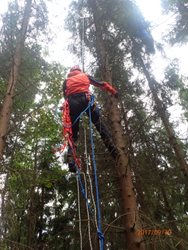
x=142 y=200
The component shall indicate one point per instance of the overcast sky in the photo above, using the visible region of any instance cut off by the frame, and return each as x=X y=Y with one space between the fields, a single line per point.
x=152 y=12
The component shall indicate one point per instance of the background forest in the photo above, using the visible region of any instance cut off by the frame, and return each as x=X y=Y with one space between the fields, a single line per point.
x=144 y=193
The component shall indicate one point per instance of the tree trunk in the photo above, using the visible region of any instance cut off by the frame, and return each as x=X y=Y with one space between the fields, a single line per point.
x=161 y=109
x=14 y=73
x=3 y=192
x=131 y=218
x=32 y=212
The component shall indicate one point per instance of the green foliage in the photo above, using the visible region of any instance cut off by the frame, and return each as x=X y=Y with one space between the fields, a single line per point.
x=157 y=178
x=179 y=31
x=120 y=22
x=35 y=174
x=40 y=199
x=178 y=83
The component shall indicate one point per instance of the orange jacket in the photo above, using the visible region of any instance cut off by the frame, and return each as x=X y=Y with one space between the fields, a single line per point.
x=78 y=82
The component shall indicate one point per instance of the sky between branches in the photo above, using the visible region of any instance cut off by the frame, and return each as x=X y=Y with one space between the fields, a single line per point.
x=152 y=12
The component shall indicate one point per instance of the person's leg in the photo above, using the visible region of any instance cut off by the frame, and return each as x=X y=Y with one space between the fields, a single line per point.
x=77 y=104
x=101 y=128
x=74 y=114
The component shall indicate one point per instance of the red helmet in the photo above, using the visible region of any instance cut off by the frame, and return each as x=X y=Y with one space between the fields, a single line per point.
x=76 y=67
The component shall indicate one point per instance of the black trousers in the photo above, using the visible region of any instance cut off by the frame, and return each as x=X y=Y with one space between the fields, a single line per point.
x=78 y=103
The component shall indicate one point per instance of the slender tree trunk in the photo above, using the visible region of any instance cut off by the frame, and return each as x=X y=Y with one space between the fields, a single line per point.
x=161 y=109
x=32 y=213
x=169 y=210
x=135 y=165
x=172 y=219
x=3 y=192
x=40 y=243
x=14 y=73
x=31 y=220
x=129 y=205
x=144 y=206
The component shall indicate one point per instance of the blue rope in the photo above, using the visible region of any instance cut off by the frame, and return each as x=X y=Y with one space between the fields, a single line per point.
x=99 y=230
x=91 y=102
x=83 y=191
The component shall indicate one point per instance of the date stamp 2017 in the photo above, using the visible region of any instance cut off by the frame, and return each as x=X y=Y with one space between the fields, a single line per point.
x=157 y=232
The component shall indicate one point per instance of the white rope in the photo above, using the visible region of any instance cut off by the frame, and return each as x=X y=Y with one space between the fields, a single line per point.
x=88 y=215
x=88 y=169
x=91 y=189
x=79 y=214
x=83 y=44
x=83 y=16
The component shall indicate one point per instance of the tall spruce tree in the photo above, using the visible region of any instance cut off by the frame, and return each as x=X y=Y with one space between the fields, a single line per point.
x=178 y=32
x=39 y=205
x=112 y=38
x=17 y=54
x=104 y=43
x=14 y=73
x=163 y=114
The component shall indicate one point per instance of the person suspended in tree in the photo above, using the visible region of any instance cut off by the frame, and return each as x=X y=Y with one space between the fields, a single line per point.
x=76 y=91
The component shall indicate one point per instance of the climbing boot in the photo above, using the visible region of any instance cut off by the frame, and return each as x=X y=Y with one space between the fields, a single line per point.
x=71 y=162
x=72 y=167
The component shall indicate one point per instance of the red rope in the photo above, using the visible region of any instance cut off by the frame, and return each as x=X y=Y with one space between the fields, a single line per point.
x=67 y=132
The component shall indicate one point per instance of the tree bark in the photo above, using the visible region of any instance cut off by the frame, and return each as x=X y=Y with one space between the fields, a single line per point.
x=3 y=192
x=129 y=206
x=13 y=77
